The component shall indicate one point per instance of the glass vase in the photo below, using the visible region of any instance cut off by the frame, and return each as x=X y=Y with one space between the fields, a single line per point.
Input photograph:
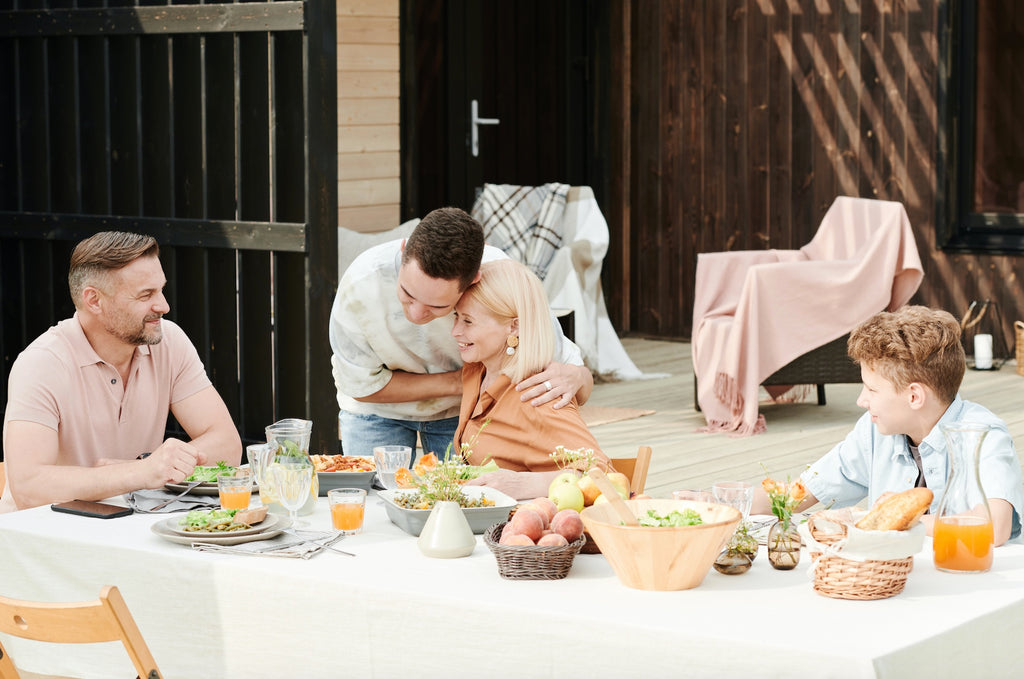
x=783 y=545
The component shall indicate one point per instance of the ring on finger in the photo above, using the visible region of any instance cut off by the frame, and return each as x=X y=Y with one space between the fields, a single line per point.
x=547 y=385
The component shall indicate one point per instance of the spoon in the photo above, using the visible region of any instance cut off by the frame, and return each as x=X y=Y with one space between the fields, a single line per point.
x=613 y=497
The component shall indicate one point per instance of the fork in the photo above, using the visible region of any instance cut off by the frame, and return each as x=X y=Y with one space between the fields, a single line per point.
x=180 y=495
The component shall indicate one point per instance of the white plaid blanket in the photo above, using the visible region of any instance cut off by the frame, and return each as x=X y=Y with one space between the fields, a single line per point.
x=524 y=221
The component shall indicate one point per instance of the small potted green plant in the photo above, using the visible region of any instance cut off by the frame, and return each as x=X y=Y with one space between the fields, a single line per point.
x=739 y=552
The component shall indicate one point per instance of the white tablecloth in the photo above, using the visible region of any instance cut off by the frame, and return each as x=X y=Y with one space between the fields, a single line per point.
x=391 y=612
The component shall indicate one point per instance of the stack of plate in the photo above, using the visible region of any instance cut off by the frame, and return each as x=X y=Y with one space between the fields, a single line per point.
x=170 y=529
x=205 y=488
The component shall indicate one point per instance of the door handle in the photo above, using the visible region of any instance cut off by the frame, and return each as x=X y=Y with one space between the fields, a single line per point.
x=476 y=120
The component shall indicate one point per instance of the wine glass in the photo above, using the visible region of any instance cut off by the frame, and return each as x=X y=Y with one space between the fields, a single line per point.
x=291 y=478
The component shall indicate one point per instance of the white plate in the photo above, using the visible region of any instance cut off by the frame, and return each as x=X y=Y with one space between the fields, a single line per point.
x=172 y=524
x=274 y=529
x=479 y=518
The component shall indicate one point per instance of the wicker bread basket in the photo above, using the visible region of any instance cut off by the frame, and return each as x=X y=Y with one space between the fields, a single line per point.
x=525 y=562
x=841 y=578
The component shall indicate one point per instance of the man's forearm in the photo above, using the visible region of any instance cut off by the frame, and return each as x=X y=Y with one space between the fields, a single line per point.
x=405 y=387
x=52 y=483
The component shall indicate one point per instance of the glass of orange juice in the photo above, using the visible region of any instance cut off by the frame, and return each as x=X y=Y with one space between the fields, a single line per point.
x=235 y=489
x=347 y=507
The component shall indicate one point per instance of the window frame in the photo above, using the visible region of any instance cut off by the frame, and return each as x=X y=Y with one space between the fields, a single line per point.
x=958 y=229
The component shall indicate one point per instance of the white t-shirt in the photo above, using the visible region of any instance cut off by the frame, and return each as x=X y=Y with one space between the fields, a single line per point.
x=370 y=337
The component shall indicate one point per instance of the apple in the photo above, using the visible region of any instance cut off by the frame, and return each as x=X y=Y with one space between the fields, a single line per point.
x=621 y=483
x=566 y=496
x=590 y=490
x=565 y=478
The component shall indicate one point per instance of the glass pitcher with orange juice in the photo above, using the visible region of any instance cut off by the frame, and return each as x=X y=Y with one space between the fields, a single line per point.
x=962 y=535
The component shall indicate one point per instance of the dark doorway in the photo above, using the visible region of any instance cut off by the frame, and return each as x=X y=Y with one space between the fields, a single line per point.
x=539 y=68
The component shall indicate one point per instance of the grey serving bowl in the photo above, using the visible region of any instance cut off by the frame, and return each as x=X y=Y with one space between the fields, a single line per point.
x=480 y=518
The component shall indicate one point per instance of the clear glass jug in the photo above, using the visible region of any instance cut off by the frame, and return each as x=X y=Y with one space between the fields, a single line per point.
x=962 y=535
x=290 y=438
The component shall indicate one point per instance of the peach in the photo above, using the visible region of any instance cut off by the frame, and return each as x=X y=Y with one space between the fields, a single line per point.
x=552 y=540
x=516 y=540
x=528 y=522
x=568 y=524
x=545 y=504
x=508 y=531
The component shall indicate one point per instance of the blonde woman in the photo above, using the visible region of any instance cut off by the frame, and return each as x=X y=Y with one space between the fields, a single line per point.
x=504 y=329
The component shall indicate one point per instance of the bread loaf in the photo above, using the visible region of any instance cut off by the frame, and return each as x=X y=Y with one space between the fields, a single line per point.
x=897 y=512
x=250 y=516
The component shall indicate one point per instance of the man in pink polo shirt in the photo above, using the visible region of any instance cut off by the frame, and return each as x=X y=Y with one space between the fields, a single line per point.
x=89 y=396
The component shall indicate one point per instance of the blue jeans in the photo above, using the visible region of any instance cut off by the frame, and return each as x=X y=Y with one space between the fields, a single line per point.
x=360 y=433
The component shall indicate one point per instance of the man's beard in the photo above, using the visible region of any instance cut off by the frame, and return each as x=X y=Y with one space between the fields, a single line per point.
x=143 y=335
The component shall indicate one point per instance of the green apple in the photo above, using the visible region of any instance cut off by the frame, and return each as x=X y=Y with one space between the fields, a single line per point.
x=621 y=483
x=565 y=478
x=566 y=496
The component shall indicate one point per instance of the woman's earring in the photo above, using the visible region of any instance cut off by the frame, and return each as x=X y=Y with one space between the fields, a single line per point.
x=512 y=342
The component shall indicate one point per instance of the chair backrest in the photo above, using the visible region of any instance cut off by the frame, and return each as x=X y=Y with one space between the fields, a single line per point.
x=635 y=468
x=106 y=619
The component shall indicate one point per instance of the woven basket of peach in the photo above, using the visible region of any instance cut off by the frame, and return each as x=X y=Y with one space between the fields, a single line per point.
x=538 y=542
x=666 y=555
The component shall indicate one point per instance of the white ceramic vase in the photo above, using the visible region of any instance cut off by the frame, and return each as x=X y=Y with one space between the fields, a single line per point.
x=446 y=534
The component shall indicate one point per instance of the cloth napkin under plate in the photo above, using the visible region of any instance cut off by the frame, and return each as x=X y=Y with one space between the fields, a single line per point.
x=142 y=500
x=288 y=545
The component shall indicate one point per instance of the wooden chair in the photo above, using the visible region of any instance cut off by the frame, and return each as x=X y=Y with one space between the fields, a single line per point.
x=106 y=619
x=635 y=468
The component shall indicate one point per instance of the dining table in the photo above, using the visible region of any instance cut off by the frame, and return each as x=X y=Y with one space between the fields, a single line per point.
x=390 y=611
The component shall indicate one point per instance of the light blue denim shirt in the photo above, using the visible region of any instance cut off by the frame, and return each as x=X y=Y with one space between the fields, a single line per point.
x=867 y=463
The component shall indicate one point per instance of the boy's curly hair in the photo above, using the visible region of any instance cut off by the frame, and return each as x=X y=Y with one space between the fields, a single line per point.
x=912 y=344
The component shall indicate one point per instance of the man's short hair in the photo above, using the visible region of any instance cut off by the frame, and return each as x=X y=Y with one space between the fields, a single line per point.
x=98 y=255
x=912 y=344
x=447 y=244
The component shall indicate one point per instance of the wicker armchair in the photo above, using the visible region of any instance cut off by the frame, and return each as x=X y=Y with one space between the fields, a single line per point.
x=779 y=312
x=828 y=364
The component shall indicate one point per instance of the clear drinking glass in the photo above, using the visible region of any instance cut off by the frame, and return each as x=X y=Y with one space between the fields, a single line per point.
x=734 y=494
x=291 y=479
x=389 y=459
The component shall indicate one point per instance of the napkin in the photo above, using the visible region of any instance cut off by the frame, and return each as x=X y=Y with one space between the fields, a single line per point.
x=870 y=545
x=142 y=500
x=289 y=545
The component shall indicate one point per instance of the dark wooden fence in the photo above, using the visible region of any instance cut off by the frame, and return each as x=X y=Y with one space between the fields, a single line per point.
x=211 y=127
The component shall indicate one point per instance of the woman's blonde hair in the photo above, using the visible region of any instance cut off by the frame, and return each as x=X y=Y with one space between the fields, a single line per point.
x=509 y=290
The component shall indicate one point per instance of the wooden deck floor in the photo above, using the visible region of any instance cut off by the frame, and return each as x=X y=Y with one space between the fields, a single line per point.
x=798 y=434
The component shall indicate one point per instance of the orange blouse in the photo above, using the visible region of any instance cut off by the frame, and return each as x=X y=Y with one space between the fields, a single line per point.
x=518 y=436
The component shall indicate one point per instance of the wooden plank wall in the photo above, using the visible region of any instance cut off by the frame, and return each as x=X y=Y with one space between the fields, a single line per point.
x=369 y=178
x=746 y=118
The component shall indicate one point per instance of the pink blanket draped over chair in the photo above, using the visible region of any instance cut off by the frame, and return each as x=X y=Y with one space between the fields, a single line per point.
x=757 y=310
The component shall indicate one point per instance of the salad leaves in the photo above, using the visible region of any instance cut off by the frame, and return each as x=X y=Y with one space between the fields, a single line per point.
x=210 y=474
x=675 y=518
x=203 y=519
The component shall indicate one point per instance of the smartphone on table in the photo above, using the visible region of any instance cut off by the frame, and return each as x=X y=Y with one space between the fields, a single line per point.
x=99 y=510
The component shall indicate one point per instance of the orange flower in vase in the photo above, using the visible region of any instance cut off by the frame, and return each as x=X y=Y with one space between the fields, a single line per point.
x=783 y=538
